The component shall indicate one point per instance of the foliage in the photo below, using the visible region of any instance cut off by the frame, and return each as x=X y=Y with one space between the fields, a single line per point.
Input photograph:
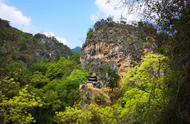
x=172 y=19
x=145 y=90
x=112 y=77
x=73 y=116
x=39 y=66
x=18 y=71
x=61 y=69
x=109 y=114
x=9 y=87
x=52 y=82
x=90 y=33
x=179 y=109
x=17 y=109
x=32 y=89
x=93 y=114
x=65 y=91
x=99 y=100
x=75 y=57
x=144 y=100
x=39 y=80
x=71 y=86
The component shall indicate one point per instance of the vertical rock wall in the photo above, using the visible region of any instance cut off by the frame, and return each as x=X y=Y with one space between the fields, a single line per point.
x=117 y=45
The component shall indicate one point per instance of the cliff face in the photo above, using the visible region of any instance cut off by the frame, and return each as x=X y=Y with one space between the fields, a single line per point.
x=117 y=45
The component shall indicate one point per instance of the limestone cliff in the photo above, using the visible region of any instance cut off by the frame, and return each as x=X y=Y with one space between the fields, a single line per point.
x=118 y=45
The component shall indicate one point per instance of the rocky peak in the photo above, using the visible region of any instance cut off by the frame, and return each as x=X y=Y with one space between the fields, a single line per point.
x=53 y=48
x=118 y=45
x=21 y=46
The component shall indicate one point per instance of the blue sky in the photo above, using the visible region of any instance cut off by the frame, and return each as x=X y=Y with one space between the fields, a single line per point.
x=67 y=20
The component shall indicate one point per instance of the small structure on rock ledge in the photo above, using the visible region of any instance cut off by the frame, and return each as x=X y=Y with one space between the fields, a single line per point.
x=94 y=92
x=94 y=81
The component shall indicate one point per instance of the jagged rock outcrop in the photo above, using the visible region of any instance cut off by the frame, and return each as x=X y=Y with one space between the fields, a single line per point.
x=52 y=48
x=21 y=46
x=117 y=45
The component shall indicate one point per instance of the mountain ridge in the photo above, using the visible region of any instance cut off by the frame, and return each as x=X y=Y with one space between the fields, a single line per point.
x=18 y=45
x=76 y=49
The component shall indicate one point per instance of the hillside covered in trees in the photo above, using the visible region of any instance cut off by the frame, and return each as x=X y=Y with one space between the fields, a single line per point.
x=124 y=74
x=38 y=76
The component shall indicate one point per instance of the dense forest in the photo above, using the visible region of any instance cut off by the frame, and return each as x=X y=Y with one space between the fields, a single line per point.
x=43 y=81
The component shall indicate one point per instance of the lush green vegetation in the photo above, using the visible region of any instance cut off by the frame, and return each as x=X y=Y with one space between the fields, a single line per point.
x=50 y=87
x=33 y=89
x=143 y=100
x=155 y=91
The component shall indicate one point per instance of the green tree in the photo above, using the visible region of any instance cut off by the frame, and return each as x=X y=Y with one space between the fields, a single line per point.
x=17 y=109
x=39 y=80
x=69 y=88
x=64 y=92
x=90 y=33
x=60 y=69
x=112 y=78
x=9 y=87
x=75 y=57
x=107 y=115
x=18 y=71
x=40 y=66
x=145 y=90
x=73 y=116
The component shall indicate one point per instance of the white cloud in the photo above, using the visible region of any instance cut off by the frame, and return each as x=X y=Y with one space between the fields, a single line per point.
x=22 y=22
x=16 y=17
x=60 y=39
x=117 y=11
x=13 y=14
